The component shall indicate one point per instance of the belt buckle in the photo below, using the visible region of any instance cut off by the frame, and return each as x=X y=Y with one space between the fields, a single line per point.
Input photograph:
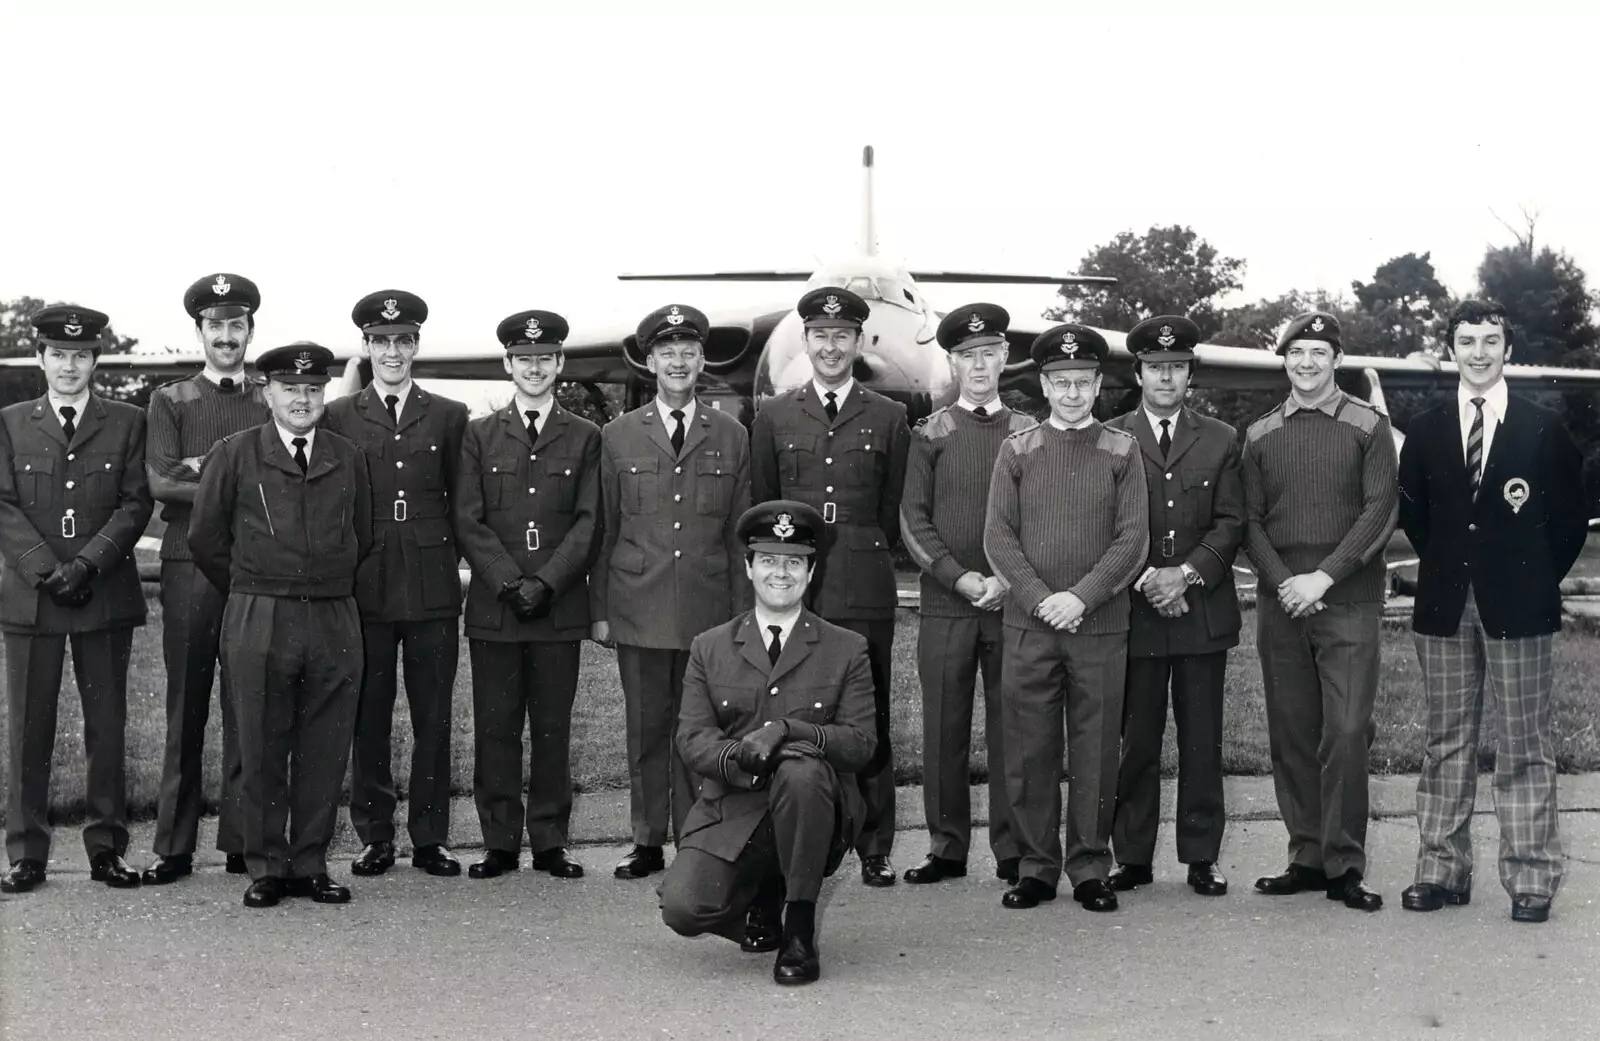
x=830 y=510
x=1169 y=544
x=400 y=509
x=69 y=526
x=531 y=539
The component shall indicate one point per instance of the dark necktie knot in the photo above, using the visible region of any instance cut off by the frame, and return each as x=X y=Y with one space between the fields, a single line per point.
x=1478 y=404
x=832 y=407
x=533 y=420
x=300 y=453
x=981 y=411
x=67 y=412
x=775 y=647
x=677 y=431
x=225 y=384
x=390 y=401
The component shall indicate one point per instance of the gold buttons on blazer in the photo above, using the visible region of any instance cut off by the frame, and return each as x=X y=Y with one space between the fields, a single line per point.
x=774 y=690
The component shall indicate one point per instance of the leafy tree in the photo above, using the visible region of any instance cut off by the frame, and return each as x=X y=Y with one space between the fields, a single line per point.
x=1167 y=270
x=1403 y=303
x=16 y=341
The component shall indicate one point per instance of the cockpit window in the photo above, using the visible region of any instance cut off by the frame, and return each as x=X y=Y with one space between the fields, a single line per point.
x=877 y=290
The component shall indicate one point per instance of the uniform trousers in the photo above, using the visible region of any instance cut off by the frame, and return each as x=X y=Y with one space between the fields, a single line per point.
x=950 y=654
x=1196 y=686
x=876 y=782
x=191 y=628
x=33 y=690
x=660 y=787
x=428 y=651
x=1050 y=675
x=293 y=668
x=533 y=681
x=1457 y=673
x=1320 y=675
x=797 y=841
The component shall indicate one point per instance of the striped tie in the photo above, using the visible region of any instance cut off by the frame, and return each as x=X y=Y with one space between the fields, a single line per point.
x=1475 y=447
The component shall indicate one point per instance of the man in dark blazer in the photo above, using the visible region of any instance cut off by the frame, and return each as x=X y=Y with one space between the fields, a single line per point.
x=777 y=712
x=73 y=501
x=526 y=504
x=409 y=592
x=842 y=448
x=674 y=478
x=1491 y=497
x=1184 y=615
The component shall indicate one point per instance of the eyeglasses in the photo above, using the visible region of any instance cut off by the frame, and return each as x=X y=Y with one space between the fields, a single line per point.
x=1080 y=384
x=403 y=341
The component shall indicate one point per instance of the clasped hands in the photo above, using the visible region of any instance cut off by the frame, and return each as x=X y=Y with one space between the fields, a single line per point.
x=986 y=594
x=1061 y=611
x=1301 y=595
x=68 y=584
x=1165 y=589
x=761 y=750
x=529 y=598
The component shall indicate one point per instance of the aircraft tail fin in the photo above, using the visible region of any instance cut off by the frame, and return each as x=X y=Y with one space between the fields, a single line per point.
x=869 y=232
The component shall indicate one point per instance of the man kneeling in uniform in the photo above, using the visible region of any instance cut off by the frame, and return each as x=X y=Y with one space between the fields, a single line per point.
x=777 y=704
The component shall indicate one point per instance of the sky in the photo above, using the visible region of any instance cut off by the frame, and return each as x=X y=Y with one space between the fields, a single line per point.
x=494 y=160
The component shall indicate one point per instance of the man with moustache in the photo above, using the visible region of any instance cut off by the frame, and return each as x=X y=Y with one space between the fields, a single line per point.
x=842 y=449
x=1320 y=504
x=674 y=478
x=777 y=712
x=959 y=630
x=1185 y=612
x=1068 y=528
x=526 y=502
x=1491 y=497
x=282 y=523
x=186 y=417
x=409 y=593
x=73 y=501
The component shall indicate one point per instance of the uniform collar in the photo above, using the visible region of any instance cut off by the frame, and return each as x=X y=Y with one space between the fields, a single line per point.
x=404 y=394
x=216 y=377
x=665 y=412
x=287 y=437
x=1156 y=421
x=1329 y=407
x=786 y=627
x=1054 y=422
x=57 y=401
x=992 y=408
x=838 y=395
x=1496 y=399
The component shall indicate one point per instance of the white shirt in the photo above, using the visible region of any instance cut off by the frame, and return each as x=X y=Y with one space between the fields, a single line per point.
x=1155 y=423
x=217 y=377
x=1495 y=400
x=670 y=423
x=544 y=408
x=784 y=627
x=404 y=394
x=76 y=403
x=1062 y=426
x=288 y=437
x=972 y=406
x=838 y=395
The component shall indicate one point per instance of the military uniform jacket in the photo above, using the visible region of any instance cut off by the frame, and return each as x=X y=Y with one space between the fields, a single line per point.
x=1514 y=558
x=1196 y=518
x=412 y=574
x=261 y=527
x=527 y=509
x=670 y=564
x=822 y=684
x=88 y=499
x=852 y=471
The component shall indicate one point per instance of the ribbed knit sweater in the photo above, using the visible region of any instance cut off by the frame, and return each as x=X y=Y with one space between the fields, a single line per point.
x=1321 y=493
x=946 y=500
x=1068 y=513
x=186 y=417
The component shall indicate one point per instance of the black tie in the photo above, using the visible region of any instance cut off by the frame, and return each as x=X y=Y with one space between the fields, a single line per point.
x=300 y=453
x=981 y=412
x=533 y=421
x=677 y=433
x=1166 y=437
x=774 y=648
x=832 y=407
x=225 y=385
x=67 y=412
x=1474 y=447
x=389 y=402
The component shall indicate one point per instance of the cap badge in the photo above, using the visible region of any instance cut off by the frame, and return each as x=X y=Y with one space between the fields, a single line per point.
x=831 y=306
x=674 y=317
x=783 y=528
x=73 y=329
x=302 y=361
x=975 y=323
x=1516 y=493
x=1166 y=339
x=221 y=286
x=1316 y=325
x=534 y=332
x=1069 y=343
x=390 y=312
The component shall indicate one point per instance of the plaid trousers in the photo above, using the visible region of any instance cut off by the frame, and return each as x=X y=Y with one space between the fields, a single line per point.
x=1457 y=672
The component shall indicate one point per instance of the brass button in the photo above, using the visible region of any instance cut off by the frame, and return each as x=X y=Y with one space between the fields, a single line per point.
x=676 y=525
x=71 y=456
x=399 y=466
x=830 y=489
x=677 y=553
x=401 y=494
x=677 y=498
x=1472 y=527
x=1169 y=477
x=677 y=469
x=1169 y=502
x=829 y=460
x=69 y=484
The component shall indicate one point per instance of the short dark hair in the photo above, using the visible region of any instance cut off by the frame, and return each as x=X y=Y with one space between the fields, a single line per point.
x=250 y=321
x=1477 y=312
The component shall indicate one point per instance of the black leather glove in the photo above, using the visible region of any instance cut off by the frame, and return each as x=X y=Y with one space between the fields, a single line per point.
x=756 y=752
x=531 y=600
x=69 y=579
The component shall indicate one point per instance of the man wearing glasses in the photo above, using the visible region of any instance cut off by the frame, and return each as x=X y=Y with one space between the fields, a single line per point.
x=409 y=591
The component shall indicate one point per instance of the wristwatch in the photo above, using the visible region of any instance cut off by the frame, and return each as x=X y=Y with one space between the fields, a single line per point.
x=1191 y=576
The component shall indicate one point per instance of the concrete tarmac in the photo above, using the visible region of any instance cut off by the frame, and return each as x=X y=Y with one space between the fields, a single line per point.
x=530 y=956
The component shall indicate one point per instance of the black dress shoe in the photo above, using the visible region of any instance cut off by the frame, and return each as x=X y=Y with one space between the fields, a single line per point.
x=1528 y=908
x=640 y=862
x=1028 y=892
x=935 y=869
x=235 y=865
x=876 y=871
x=168 y=869
x=495 y=863
x=1006 y=868
x=111 y=869
x=320 y=888
x=1353 y=893
x=1095 y=895
x=1429 y=896
x=797 y=962
x=1130 y=876
x=763 y=928
x=375 y=858
x=557 y=863
x=1205 y=879
x=24 y=875
x=435 y=860
x=1296 y=878
x=264 y=892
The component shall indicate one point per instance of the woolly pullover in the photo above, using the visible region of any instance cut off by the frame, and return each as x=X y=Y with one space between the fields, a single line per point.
x=186 y=417
x=946 y=500
x=1068 y=513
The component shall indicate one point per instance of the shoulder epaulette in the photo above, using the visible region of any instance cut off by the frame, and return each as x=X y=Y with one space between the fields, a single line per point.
x=1025 y=441
x=1117 y=442
x=1020 y=422
x=940 y=424
x=1265 y=425
x=1363 y=416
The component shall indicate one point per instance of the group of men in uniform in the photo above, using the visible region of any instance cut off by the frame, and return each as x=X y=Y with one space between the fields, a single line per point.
x=1084 y=569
